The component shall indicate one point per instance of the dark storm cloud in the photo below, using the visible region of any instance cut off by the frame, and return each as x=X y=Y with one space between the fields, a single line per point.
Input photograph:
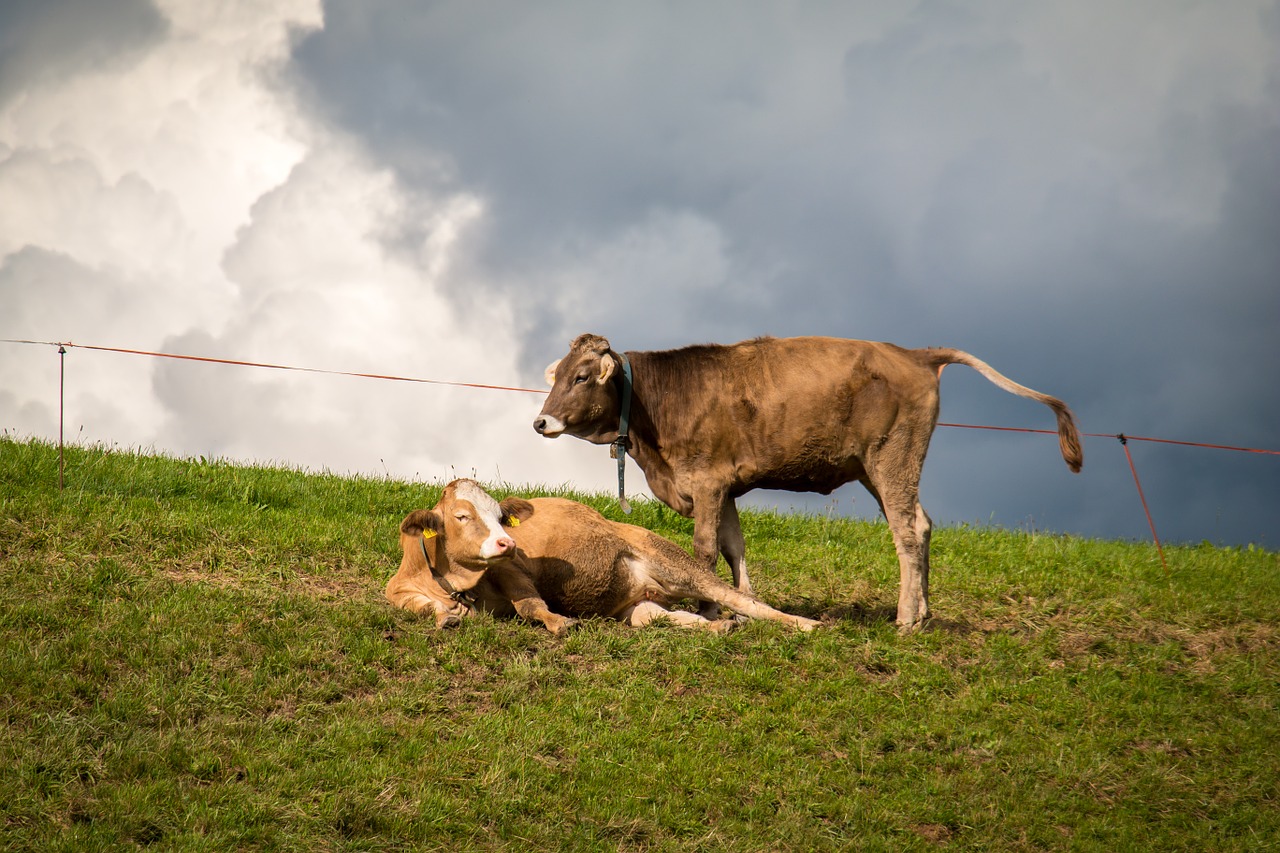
x=585 y=124
x=42 y=39
x=1086 y=197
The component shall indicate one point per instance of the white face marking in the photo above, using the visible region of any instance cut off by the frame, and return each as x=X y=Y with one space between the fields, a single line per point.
x=487 y=512
x=554 y=426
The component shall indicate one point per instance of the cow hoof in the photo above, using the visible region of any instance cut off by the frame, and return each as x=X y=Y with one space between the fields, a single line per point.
x=709 y=611
x=559 y=629
x=723 y=626
x=905 y=628
x=807 y=624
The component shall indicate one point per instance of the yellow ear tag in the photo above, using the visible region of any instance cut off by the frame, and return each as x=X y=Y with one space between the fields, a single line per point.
x=427 y=534
x=512 y=521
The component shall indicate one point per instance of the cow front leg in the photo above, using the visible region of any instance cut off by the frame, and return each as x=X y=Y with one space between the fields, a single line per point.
x=447 y=613
x=448 y=617
x=536 y=610
x=708 y=510
x=520 y=590
x=732 y=546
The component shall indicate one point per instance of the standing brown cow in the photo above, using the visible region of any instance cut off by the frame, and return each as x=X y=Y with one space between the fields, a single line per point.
x=709 y=423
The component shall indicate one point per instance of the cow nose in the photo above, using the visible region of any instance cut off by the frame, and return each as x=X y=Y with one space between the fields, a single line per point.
x=505 y=545
x=548 y=426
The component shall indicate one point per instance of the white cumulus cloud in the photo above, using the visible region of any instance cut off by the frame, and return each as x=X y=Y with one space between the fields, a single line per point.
x=172 y=198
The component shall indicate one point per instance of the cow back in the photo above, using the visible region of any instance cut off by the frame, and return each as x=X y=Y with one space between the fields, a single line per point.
x=784 y=413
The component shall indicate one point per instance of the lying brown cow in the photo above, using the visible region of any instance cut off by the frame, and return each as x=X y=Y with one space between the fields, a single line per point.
x=710 y=423
x=527 y=556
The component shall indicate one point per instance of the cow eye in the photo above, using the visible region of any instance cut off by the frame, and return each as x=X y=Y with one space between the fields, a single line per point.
x=583 y=378
x=462 y=516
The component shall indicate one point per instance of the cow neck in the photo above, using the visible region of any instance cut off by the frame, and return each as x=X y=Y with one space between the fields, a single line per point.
x=620 y=444
x=648 y=423
x=460 y=596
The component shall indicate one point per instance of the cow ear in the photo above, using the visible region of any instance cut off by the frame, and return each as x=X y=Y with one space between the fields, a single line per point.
x=514 y=511
x=416 y=522
x=550 y=374
x=607 y=366
x=427 y=523
x=432 y=523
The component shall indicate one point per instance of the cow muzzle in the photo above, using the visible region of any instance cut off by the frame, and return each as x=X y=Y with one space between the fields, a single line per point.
x=548 y=426
x=496 y=549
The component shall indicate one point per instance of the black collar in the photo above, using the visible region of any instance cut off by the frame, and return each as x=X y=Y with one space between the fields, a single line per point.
x=618 y=449
x=460 y=596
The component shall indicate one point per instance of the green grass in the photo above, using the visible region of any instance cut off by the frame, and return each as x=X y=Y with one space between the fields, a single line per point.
x=198 y=656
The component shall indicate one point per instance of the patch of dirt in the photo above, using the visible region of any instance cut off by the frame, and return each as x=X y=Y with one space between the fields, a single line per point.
x=934 y=833
x=1205 y=650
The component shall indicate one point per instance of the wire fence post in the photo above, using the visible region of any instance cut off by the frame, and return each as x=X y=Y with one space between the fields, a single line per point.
x=1124 y=442
x=62 y=385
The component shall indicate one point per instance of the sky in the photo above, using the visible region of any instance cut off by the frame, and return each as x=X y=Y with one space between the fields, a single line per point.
x=1084 y=194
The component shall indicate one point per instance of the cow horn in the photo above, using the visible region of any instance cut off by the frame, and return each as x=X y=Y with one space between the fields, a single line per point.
x=550 y=374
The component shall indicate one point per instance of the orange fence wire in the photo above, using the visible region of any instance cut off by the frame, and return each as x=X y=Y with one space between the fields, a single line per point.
x=63 y=346
x=236 y=362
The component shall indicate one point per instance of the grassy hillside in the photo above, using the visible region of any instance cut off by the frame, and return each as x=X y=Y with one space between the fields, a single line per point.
x=197 y=656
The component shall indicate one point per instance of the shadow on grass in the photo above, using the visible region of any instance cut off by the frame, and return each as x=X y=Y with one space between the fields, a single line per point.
x=958 y=628
x=874 y=614
x=830 y=611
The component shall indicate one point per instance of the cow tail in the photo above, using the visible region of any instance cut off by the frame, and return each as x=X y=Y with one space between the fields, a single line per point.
x=1068 y=434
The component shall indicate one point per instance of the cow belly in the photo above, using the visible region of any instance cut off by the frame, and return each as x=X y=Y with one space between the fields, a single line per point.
x=599 y=588
x=582 y=584
x=822 y=476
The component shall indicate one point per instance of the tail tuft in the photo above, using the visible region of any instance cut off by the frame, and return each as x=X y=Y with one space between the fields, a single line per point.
x=1069 y=438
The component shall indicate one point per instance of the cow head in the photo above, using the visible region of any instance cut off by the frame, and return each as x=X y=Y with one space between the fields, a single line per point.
x=584 y=400
x=463 y=536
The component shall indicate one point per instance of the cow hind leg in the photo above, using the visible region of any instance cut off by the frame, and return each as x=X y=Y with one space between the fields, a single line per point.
x=642 y=614
x=746 y=604
x=893 y=476
x=911 y=530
